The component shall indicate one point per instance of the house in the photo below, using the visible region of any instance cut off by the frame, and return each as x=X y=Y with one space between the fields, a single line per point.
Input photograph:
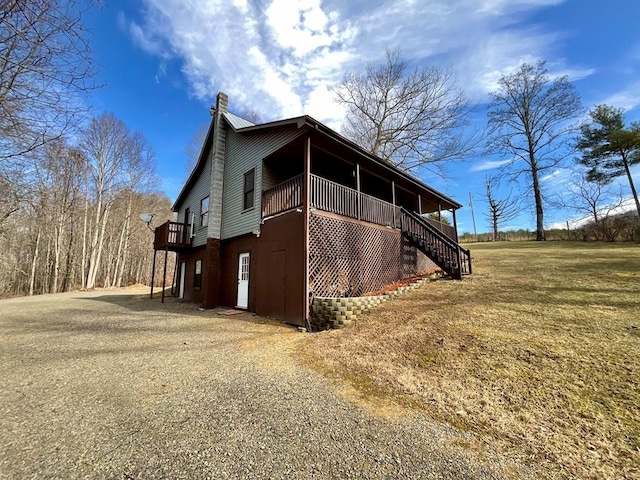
x=277 y=213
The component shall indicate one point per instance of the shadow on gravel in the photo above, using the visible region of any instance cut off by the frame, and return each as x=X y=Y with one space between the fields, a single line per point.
x=172 y=306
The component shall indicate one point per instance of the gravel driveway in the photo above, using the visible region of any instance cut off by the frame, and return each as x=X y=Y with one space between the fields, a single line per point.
x=113 y=385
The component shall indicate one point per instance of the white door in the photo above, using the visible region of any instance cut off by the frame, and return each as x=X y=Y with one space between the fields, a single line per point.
x=183 y=268
x=243 y=281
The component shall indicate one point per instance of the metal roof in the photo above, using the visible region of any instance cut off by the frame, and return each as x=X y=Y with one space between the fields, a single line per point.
x=237 y=122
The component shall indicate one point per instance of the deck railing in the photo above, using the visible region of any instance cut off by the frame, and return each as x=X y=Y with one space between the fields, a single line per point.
x=284 y=196
x=378 y=211
x=172 y=235
x=448 y=230
x=335 y=198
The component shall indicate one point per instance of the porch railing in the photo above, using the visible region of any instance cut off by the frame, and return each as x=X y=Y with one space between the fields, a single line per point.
x=284 y=196
x=172 y=235
x=448 y=230
x=374 y=210
x=333 y=197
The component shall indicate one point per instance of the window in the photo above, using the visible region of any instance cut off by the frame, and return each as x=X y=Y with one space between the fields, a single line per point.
x=249 y=189
x=204 y=212
x=197 y=275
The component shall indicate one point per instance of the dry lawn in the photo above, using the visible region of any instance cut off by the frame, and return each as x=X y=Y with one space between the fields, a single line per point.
x=538 y=353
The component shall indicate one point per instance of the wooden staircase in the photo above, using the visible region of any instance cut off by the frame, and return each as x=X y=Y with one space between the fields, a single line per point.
x=445 y=252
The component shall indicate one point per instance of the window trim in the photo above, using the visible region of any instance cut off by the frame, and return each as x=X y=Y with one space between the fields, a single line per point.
x=197 y=277
x=204 y=215
x=246 y=191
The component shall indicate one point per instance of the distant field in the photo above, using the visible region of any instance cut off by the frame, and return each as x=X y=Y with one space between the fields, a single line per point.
x=538 y=352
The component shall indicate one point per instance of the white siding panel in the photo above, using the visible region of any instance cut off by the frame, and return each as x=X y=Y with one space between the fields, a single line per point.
x=244 y=152
x=200 y=190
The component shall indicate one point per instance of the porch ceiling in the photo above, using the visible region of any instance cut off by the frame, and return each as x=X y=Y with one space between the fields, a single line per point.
x=324 y=138
x=384 y=173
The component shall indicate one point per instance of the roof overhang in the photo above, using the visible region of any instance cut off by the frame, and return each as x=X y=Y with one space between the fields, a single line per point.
x=312 y=125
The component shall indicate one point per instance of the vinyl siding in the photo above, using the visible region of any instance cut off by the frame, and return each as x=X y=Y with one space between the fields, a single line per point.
x=268 y=179
x=244 y=152
x=200 y=190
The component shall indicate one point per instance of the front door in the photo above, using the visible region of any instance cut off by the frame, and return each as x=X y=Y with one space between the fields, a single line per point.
x=183 y=268
x=243 y=280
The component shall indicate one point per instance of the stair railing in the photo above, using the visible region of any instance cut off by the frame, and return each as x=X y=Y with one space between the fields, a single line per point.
x=446 y=253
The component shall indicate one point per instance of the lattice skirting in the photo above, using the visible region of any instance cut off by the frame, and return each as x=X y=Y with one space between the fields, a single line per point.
x=348 y=258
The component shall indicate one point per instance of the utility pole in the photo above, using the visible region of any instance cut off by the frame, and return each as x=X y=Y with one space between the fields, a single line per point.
x=473 y=217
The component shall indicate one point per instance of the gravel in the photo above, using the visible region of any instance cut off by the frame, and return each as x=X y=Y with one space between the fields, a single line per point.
x=109 y=384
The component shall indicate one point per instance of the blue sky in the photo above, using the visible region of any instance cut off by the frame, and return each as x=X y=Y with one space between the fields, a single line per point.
x=163 y=62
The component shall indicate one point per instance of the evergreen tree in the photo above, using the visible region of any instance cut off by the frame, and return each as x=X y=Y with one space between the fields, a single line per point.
x=608 y=148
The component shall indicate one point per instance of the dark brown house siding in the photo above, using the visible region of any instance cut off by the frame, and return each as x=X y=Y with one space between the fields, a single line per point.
x=280 y=273
x=229 y=254
x=190 y=258
x=211 y=274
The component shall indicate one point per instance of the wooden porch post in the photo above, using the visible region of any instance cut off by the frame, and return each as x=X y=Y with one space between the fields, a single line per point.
x=307 y=216
x=164 y=272
x=455 y=223
x=419 y=205
x=175 y=277
x=393 y=199
x=358 y=187
x=439 y=212
x=153 y=271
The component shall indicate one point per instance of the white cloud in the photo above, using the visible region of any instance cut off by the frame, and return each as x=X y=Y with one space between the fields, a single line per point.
x=281 y=57
x=320 y=105
x=143 y=39
x=488 y=165
x=557 y=178
x=626 y=205
x=627 y=98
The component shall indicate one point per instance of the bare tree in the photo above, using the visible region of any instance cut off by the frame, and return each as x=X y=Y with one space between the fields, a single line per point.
x=139 y=177
x=10 y=195
x=411 y=118
x=500 y=210
x=530 y=120
x=45 y=66
x=194 y=147
x=105 y=143
x=66 y=166
x=594 y=201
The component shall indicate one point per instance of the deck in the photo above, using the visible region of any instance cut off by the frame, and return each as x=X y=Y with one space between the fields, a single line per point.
x=334 y=198
x=173 y=236
x=435 y=239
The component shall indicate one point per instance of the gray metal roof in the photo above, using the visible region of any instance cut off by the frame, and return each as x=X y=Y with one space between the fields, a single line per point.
x=236 y=122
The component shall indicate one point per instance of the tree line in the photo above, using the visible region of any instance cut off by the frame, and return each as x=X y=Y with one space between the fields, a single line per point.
x=73 y=182
x=73 y=222
x=418 y=119
x=71 y=185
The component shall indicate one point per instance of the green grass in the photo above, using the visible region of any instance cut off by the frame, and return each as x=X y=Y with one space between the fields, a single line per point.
x=538 y=351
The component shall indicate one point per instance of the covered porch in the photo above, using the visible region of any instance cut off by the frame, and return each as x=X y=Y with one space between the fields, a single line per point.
x=342 y=184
